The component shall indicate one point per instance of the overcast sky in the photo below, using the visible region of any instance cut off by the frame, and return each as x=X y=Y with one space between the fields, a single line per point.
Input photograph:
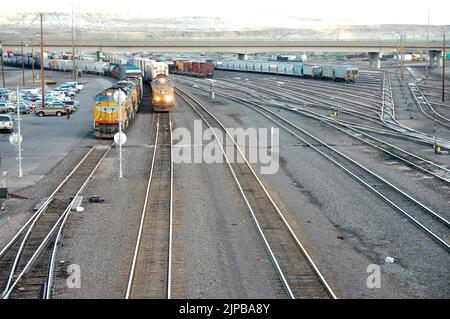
x=260 y=12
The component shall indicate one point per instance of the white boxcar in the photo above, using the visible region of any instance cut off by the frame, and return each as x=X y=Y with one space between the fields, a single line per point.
x=153 y=69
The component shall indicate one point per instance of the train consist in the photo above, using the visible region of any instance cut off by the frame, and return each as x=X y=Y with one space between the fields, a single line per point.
x=64 y=65
x=125 y=95
x=156 y=74
x=192 y=68
x=344 y=73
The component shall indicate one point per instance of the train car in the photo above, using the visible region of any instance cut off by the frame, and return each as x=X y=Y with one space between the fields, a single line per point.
x=312 y=71
x=162 y=94
x=139 y=85
x=281 y=68
x=153 y=69
x=134 y=95
x=345 y=73
x=328 y=72
x=265 y=67
x=197 y=69
x=273 y=68
x=289 y=68
x=106 y=112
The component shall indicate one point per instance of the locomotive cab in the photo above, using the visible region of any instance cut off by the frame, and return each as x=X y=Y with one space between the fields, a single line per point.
x=162 y=93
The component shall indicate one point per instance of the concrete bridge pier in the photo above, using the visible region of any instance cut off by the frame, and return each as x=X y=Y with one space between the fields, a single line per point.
x=435 y=56
x=242 y=56
x=374 y=60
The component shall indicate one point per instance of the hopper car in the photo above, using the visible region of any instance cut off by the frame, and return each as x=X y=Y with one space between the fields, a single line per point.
x=346 y=73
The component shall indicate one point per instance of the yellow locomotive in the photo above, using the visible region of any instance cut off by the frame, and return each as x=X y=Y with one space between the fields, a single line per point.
x=106 y=111
x=162 y=93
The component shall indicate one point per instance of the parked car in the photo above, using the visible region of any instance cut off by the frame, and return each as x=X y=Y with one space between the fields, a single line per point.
x=77 y=85
x=24 y=108
x=70 y=87
x=71 y=105
x=58 y=95
x=4 y=93
x=67 y=92
x=57 y=109
x=4 y=107
x=6 y=123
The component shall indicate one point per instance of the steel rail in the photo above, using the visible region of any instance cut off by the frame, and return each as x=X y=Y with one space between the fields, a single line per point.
x=143 y=214
x=131 y=276
x=384 y=181
x=436 y=216
x=43 y=207
x=37 y=252
x=396 y=131
x=49 y=282
x=169 y=271
x=303 y=250
x=32 y=222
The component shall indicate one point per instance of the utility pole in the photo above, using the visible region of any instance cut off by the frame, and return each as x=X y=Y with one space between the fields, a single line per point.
x=398 y=55
x=1 y=58
x=19 y=137
x=403 y=57
x=428 y=46
x=443 y=70
x=74 y=70
x=42 y=62
x=120 y=136
x=23 y=63
x=32 y=58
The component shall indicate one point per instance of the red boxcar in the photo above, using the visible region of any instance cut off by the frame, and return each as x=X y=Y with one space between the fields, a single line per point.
x=197 y=69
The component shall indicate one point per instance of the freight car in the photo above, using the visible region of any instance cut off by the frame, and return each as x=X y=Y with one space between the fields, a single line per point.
x=162 y=93
x=126 y=70
x=153 y=69
x=345 y=73
x=196 y=69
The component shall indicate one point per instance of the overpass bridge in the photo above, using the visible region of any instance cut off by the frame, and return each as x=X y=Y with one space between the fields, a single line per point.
x=241 y=46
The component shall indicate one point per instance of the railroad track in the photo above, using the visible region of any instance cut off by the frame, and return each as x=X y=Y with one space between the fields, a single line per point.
x=151 y=267
x=27 y=262
x=423 y=217
x=426 y=108
x=424 y=165
x=296 y=270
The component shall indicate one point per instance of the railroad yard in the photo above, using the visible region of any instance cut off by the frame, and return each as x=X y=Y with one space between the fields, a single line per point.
x=356 y=184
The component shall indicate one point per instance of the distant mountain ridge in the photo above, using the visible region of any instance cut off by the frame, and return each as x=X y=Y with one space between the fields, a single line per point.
x=125 y=27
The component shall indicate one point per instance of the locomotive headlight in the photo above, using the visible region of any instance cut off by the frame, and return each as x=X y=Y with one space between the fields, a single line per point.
x=169 y=98
x=157 y=99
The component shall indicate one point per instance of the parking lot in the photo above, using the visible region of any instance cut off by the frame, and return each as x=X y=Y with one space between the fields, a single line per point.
x=46 y=140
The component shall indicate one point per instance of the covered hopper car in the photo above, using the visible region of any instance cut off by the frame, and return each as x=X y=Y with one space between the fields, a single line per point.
x=345 y=73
